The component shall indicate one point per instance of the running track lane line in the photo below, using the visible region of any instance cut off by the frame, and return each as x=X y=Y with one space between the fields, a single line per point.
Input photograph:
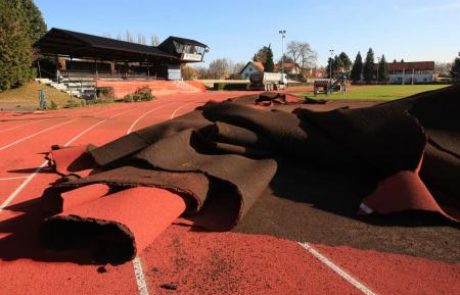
x=342 y=273
x=35 y=134
x=32 y=176
x=137 y=264
x=16 y=127
x=139 y=274
x=12 y=178
x=176 y=110
x=143 y=115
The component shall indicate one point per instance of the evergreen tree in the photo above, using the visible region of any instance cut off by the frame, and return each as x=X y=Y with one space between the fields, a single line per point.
x=269 y=65
x=330 y=68
x=15 y=45
x=455 y=71
x=338 y=64
x=383 y=69
x=345 y=60
x=261 y=55
x=368 y=69
x=265 y=56
x=36 y=26
x=357 y=69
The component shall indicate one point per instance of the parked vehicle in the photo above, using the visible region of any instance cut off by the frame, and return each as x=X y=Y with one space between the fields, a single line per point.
x=89 y=94
x=267 y=81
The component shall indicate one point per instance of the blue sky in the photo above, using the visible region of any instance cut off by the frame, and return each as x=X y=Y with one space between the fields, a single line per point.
x=408 y=29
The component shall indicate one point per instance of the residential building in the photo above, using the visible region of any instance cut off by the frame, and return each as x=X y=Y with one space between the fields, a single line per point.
x=251 y=68
x=411 y=72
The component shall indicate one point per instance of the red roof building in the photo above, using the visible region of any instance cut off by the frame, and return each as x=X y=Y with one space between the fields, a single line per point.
x=251 y=68
x=411 y=72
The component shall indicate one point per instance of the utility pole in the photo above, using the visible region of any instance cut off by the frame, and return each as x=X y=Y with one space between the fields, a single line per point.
x=378 y=67
x=283 y=35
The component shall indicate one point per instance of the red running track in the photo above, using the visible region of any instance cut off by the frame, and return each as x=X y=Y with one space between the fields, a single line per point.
x=188 y=262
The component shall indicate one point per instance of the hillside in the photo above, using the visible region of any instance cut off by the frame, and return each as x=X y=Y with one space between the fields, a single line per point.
x=25 y=98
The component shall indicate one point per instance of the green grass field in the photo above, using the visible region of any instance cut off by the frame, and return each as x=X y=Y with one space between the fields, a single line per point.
x=377 y=92
x=25 y=98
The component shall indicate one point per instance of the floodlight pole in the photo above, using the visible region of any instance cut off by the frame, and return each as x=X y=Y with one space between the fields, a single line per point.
x=283 y=35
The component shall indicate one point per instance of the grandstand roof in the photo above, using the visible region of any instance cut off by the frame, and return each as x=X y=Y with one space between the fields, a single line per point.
x=80 y=45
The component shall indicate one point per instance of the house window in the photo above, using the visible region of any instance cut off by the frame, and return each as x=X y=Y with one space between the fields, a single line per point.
x=250 y=69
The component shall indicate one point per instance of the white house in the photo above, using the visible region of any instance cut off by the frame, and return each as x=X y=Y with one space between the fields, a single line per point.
x=251 y=68
x=408 y=72
x=289 y=68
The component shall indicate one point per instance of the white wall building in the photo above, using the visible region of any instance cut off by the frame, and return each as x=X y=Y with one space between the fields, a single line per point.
x=251 y=68
x=408 y=72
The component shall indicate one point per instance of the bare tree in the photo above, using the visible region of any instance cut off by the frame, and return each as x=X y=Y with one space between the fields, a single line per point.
x=141 y=39
x=220 y=68
x=154 y=40
x=443 y=69
x=189 y=73
x=129 y=37
x=237 y=67
x=202 y=72
x=302 y=54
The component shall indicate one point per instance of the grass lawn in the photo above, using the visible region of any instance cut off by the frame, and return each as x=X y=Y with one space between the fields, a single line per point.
x=25 y=98
x=377 y=92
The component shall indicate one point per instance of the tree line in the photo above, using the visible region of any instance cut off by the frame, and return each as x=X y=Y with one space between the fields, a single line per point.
x=22 y=25
x=366 y=71
x=297 y=52
x=359 y=70
x=154 y=40
x=369 y=71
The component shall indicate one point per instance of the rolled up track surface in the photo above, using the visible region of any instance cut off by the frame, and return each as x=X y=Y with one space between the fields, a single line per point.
x=114 y=227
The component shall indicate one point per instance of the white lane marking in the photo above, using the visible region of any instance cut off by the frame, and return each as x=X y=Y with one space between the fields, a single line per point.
x=21 y=187
x=12 y=178
x=31 y=176
x=137 y=265
x=179 y=108
x=130 y=129
x=365 y=208
x=140 y=279
x=95 y=125
x=342 y=273
x=16 y=127
x=35 y=134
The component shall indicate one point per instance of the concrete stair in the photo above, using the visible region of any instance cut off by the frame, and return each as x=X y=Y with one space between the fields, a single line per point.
x=71 y=85
x=77 y=85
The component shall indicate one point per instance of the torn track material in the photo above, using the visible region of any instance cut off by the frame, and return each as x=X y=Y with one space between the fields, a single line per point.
x=216 y=161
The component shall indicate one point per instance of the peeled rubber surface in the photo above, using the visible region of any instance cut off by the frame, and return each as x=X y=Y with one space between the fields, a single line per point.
x=110 y=224
x=222 y=157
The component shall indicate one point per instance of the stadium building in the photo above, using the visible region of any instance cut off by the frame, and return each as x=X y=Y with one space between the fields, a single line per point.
x=86 y=61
